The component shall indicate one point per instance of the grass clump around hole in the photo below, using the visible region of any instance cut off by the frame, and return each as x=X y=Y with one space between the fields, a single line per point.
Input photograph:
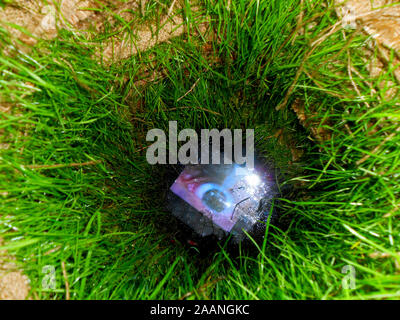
x=78 y=195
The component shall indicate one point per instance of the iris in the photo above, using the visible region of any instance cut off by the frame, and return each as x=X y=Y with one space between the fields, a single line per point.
x=215 y=197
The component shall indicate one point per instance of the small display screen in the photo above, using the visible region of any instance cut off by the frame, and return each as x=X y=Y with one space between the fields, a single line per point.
x=223 y=193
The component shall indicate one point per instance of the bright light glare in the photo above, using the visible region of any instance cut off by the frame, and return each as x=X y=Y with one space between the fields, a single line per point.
x=253 y=180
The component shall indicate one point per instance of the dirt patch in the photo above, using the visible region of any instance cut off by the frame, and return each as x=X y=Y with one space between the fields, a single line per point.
x=42 y=21
x=14 y=285
x=381 y=20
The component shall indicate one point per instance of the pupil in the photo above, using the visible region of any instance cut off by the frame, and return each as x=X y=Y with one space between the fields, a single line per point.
x=215 y=200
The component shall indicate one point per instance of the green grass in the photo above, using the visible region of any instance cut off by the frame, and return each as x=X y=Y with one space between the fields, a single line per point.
x=76 y=188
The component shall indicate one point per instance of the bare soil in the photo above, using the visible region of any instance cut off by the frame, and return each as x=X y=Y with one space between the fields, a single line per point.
x=14 y=285
x=44 y=21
